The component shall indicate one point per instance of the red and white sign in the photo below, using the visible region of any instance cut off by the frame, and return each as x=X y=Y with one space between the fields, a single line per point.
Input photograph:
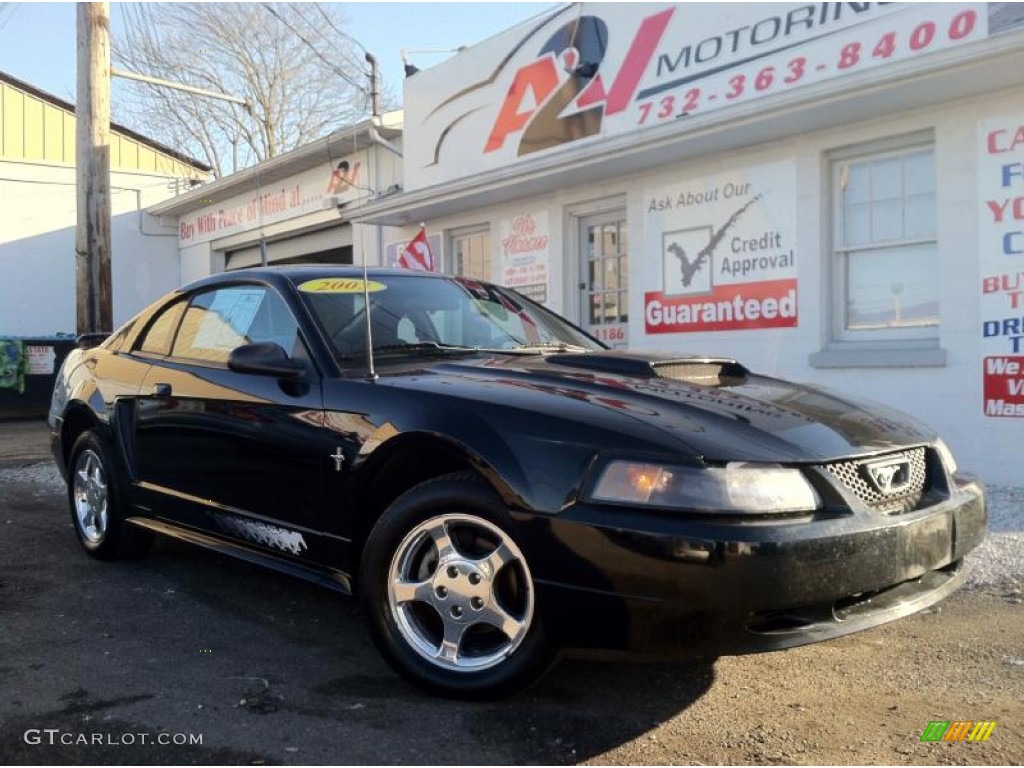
x=39 y=360
x=417 y=254
x=523 y=241
x=1004 y=386
x=1001 y=255
x=603 y=69
x=725 y=254
x=769 y=304
x=268 y=203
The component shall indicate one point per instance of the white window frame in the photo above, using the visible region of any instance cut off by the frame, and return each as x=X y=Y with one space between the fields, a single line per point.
x=451 y=254
x=893 y=347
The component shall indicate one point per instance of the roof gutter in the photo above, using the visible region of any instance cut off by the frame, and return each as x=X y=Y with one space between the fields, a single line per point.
x=376 y=138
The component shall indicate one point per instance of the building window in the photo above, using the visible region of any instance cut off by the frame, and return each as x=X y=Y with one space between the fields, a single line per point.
x=886 y=285
x=471 y=253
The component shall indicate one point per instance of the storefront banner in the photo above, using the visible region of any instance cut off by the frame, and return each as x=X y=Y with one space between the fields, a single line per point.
x=272 y=202
x=722 y=252
x=1001 y=255
x=604 y=69
x=523 y=249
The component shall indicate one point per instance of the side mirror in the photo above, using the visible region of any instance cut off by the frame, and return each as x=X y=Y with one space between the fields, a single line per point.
x=90 y=340
x=266 y=358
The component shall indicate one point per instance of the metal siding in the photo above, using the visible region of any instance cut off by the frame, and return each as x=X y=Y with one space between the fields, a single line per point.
x=14 y=129
x=33 y=127
x=129 y=154
x=69 y=138
x=147 y=159
x=53 y=134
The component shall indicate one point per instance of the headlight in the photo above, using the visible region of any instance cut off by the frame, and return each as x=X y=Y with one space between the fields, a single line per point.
x=738 y=487
x=946 y=455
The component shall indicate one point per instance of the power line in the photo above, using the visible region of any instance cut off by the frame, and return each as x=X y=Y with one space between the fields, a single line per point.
x=12 y=8
x=338 y=31
x=341 y=73
x=346 y=57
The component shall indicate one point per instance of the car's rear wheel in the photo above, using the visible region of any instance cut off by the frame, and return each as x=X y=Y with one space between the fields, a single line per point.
x=449 y=592
x=95 y=501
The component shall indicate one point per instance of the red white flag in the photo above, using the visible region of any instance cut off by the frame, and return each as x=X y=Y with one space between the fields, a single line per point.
x=417 y=253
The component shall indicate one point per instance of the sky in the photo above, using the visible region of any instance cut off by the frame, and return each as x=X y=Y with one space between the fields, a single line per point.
x=37 y=40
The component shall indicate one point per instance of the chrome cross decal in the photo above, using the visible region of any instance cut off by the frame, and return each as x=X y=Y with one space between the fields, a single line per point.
x=339 y=459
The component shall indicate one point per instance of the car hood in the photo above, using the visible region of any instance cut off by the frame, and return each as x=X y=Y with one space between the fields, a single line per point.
x=713 y=406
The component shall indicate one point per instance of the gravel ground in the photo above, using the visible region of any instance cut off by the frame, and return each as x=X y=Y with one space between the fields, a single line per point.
x=40 y=474
x=999 y=561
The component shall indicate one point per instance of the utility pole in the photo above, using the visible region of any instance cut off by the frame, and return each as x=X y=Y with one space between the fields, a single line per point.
x=93 y=302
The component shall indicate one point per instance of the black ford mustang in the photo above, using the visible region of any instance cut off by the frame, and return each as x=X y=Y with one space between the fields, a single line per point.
x=493 y=483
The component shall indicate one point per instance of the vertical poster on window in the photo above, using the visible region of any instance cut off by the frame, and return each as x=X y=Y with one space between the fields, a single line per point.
x=721 y=252
x=1001 y=255
x=523 y=248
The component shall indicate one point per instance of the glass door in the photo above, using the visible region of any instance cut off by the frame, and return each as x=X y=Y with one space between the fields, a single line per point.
x=604 y=277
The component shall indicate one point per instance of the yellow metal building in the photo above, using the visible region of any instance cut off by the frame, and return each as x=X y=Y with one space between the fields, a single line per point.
x=38 y=213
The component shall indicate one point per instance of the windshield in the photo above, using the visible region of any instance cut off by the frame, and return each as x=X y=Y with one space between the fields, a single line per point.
x=418 y=314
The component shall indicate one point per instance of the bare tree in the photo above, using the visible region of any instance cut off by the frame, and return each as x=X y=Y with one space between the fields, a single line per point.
x=303 y=75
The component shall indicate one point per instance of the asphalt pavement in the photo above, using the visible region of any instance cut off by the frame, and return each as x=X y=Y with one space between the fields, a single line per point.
x=24 y=442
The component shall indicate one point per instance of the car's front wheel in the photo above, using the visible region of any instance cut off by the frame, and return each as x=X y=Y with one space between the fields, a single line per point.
x=94 y=498
x=449 y=593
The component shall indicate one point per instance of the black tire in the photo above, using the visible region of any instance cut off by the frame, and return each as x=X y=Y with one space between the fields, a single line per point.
x=114 y=538
x=474 y=515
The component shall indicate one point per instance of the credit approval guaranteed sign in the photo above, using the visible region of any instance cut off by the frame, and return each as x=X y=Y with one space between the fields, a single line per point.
x=603 y=69
x=728 y=252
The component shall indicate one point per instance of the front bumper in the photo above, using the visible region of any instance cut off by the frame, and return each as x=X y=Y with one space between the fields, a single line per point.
x=634 y=581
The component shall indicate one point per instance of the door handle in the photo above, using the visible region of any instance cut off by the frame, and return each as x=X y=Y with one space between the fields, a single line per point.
x=161 y=390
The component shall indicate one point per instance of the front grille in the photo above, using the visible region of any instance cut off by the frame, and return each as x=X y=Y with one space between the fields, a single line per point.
x=855 y=476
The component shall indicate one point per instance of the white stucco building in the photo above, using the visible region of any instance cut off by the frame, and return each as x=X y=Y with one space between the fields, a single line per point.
x=833 y=192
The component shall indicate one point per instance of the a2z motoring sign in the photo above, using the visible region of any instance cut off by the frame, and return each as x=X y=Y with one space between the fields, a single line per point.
x=606 y=69
x=723 y=251
x=1001 y=253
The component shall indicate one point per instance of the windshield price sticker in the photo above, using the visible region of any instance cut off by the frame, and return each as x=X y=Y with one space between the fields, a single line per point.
x=341 y=285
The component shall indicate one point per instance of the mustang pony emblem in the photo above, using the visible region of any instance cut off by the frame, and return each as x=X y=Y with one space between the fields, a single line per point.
x=890 y=476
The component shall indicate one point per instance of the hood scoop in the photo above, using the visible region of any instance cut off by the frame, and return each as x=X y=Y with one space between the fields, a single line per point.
x=701 y=371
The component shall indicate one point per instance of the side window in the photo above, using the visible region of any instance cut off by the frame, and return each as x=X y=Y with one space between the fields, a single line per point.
x=159 y=336
x=885 y=245
x=219 y=321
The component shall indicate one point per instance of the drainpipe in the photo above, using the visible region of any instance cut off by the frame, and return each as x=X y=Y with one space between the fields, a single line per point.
x=376 y=138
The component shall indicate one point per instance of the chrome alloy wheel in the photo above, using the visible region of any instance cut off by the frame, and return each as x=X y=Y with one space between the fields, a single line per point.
x=460 y=593
x=90 y=494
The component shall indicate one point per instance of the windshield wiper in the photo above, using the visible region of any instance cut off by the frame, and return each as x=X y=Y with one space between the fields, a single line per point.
x=424 y=346
x=551 y=346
